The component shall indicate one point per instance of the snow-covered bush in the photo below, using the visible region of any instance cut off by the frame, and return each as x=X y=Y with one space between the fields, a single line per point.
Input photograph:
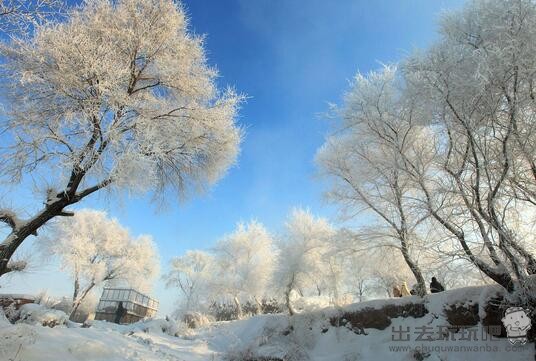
x=228 y=311
x=166 y=326
x=38 y=314
x=11 y=312
x=311 y=303
x=3 y=319
x=196 y=319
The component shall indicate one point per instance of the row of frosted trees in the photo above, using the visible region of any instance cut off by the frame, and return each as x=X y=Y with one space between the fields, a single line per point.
x=308 y=258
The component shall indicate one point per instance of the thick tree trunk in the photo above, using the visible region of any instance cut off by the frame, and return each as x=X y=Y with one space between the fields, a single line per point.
x=24 y=229
x=20 y=230
x=78 y=301
x=498 y=275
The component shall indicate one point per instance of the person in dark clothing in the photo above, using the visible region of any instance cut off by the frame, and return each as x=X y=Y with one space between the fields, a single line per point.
x=435 y=286
x=120 y=312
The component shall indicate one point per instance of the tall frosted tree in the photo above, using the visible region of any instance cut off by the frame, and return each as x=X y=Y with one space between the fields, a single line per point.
x=362 y=160
x=302 y=254
x=193 y=275
x=245 y=260
x=119 y=96
x=97 y=250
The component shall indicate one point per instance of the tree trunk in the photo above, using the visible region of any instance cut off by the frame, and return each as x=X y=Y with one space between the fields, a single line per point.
x=259 y=305
x=76 y=287
x=288 y=290
x=291 y=310
x=77 y=302
x=23 y=229
x=238 y=307
x=421 y=283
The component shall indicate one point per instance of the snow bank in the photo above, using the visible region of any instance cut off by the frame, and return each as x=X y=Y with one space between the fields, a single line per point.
x=159 y=326
x=308 y=304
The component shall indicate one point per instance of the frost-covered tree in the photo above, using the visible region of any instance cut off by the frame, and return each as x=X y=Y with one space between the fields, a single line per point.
x=97 y=250
x=475 y=88
x=362 y=159
x=245 y=261
x=119 y=96
x=193 y=274
x=302 y=254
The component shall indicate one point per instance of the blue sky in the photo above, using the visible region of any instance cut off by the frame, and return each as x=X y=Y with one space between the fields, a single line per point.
x=291 y=57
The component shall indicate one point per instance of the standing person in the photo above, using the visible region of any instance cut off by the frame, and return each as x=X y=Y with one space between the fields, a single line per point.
x=120 y=312
x=396 y=291
x=404 y=289
x=435 y=286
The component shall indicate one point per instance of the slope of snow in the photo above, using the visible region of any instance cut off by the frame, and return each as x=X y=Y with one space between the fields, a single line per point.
x=307 y=336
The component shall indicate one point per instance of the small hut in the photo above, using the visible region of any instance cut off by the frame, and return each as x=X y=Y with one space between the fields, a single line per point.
x=137 y=305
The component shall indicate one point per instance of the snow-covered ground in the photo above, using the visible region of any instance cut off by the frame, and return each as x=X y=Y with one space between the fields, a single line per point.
x=308 y=336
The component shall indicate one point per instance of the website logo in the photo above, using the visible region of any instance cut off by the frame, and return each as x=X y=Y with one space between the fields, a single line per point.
x=517 y=324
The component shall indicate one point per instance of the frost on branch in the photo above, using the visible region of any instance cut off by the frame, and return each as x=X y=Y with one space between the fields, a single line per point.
x=9 y=218
x=21 y=15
